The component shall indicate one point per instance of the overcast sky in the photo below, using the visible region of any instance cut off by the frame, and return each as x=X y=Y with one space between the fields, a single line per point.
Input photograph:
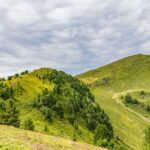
x=71 y=35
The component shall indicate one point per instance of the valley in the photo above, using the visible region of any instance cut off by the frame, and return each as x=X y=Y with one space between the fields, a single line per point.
x=109 y=83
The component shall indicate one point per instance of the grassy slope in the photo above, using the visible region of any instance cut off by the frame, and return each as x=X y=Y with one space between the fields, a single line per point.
x=127 y=74
x=143 y=102
x=33 y=86
x=17 y=139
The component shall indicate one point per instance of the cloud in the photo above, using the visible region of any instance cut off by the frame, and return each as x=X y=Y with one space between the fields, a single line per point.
x=71 y=35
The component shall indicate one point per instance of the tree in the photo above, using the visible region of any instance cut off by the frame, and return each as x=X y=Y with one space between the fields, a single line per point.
x=9 y=77
x=147 y=135
x=148 y=108
x=2 y=79
x=71 y=118
x=9 y=115
x=101 y=133
x=142 y=93
x=59 y=110
x=46 y=128
x=28 y=124
x=47 y=113
x=128 y=98
x=102 y=143
x=16 y=75
x=91 y=123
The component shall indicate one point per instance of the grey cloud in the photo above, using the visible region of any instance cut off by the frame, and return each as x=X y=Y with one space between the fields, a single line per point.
x=71 y=35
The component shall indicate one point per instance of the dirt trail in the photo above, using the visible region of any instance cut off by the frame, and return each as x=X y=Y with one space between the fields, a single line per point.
x=116 y=97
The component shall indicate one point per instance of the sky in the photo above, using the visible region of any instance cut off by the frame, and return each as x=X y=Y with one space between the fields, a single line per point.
x=71 y=35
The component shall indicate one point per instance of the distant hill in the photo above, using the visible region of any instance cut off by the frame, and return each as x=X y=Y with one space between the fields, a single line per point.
x=126 y=73
x=110 y=83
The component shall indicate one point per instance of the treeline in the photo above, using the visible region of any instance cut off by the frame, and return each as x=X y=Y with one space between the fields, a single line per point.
x=147 y=138
x=9 y=115
x=15 y=76
x=72 y=100
x=128 y=99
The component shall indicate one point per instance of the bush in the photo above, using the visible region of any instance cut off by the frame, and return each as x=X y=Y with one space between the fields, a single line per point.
x=147 y=135
x=46 y=128
x=28 y=124
x=59 y=110
x=7 y=93
x=102 y=143
x=2 y=79
x=130 y=100
x=24 y=72
x=91 y=124
x=119 y=147
x=9 y=115
x=16 y=75
x=9 y=77
x=102 y=133
x=47 y=113
x=142 y=93
x=71 y=119
x=148 y=108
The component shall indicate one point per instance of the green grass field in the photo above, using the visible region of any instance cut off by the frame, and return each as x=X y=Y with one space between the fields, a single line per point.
x=122 y=76
x=30 y=86
x=16 y=139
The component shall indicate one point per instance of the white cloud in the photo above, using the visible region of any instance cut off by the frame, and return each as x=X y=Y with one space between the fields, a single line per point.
x=71 y=35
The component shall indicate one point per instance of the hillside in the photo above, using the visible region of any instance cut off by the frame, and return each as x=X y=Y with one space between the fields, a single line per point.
x=130 y=72
x=54 y=103
x=110 y=82
x=16 y=139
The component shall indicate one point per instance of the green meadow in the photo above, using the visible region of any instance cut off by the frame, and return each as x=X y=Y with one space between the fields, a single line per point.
x=109 y=82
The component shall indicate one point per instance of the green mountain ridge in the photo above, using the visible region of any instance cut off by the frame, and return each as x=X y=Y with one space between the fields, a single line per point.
x=54 y=103
x=109 y=83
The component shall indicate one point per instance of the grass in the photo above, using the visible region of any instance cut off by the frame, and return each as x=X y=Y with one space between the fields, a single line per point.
x=31 y=86
x=16 y=139
x=122 y=76
x=127 y=125
x=143 y=101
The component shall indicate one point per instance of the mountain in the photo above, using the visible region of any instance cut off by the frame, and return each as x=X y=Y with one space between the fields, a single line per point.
x=53 y=103
x=16 y=139
x=112 y=85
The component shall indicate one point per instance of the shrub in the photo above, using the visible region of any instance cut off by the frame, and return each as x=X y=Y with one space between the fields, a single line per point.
x=142 y=93
x=9 y=77
x=46 y=128
x=148 y=108
x=28 y=124
x=102 y=133
x=71 y=119
x=16 y=75
x=9 y=115
x=129 y=100
x=147 y=135
x=91 y=124
x=24 y=72
x=59 y=110
x=2 y=79
x=102 y=143
x=47 y=113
